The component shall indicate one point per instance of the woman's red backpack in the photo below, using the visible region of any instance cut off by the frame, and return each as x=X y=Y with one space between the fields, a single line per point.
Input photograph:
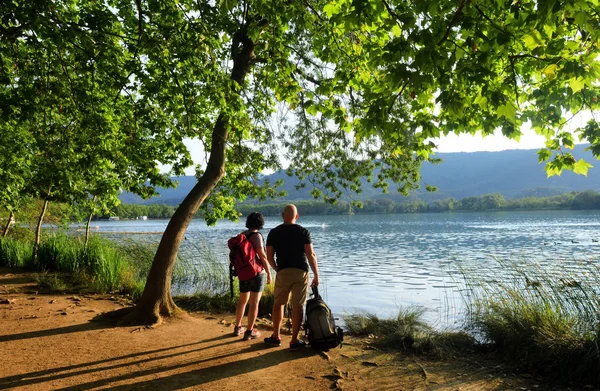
x=243 y=260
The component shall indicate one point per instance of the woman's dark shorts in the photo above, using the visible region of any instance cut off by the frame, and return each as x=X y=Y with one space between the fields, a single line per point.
x=257 y=284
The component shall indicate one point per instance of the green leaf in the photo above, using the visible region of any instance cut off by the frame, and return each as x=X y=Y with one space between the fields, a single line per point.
x=581 y=167
x=576 y=84
x=544 y=154
x=549 y=29
x=482 y=101
x=227 y=5
x=396 y=31
x=331 y=9
x=533 y=40
x=508 y=111
x=550 y=70
x=581 y=18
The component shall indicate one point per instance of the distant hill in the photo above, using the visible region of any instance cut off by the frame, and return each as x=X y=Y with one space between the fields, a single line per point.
x=167 y=196
x=514 y=173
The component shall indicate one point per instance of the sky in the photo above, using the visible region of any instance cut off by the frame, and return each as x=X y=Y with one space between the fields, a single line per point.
x=450 y=143
x=453 y=142
x=497 y=142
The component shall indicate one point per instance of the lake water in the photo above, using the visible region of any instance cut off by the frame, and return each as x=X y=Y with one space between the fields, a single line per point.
x=379 y=263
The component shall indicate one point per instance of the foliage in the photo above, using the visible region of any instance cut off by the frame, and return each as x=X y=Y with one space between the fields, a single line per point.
x=54 y=282
x=63 y=260
x=397 y=74
x=223 y=302
x=116 y=87
x=101 y=265
x=64 y=71
x=199 y=269
x=121 y=265
x=15 y=164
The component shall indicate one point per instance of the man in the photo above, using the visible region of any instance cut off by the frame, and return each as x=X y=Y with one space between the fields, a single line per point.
x=288 y=248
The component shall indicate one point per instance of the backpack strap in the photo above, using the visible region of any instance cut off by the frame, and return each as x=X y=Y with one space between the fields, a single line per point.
x=253 y=232
x=231 y=272
x=261 y=236
x=315 y=292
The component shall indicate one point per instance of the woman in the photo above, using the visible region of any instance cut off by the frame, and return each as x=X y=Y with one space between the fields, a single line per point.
x=251 y=290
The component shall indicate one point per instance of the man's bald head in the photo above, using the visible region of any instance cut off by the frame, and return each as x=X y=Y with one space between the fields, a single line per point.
x=290 y=214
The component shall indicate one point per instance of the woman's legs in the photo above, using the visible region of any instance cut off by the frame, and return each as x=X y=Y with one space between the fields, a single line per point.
x=253 y=310
x=241 y=308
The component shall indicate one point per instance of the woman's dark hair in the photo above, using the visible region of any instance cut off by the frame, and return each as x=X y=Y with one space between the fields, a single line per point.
x=255 y=220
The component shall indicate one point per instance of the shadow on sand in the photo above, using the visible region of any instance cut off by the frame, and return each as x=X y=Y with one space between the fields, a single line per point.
x=190 y=378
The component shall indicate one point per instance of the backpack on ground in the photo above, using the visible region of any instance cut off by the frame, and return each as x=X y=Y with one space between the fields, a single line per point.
x=320 y=324
x=243 y=259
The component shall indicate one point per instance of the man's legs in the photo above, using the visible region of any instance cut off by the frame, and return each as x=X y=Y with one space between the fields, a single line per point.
x=277 y=319
x=281 y=293
x=297 y=316
x=299 y=293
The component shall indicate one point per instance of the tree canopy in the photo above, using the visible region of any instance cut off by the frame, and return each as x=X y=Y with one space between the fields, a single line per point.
x=395 y=74
x=368 y=85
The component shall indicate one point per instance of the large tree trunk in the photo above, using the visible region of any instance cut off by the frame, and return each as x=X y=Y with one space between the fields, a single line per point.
x=8 y=223
x=156 y=301
x=38 y=231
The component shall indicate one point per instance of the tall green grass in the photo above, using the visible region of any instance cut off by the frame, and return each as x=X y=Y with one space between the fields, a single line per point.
x=543 y=318
x=15 y=253
x=102 y=266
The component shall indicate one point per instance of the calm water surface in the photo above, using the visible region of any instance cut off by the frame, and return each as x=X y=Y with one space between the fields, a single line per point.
x=378 y=263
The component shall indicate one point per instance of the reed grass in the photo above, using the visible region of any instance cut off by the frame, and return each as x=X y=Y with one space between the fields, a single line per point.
x=223 y=303
x=542 y=317
x=200 y=269
x=408 y=332
x=218 y=298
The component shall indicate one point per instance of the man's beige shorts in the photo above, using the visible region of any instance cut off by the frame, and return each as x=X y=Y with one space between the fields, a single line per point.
x=291 y=280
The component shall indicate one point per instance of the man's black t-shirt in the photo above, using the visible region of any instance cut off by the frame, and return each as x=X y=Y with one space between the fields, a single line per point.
x=288 y=240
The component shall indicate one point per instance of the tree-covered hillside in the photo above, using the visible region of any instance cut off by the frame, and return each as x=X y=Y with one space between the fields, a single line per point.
x=513 y=173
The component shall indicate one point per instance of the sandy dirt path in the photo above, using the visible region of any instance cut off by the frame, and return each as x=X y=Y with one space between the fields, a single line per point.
x=55 y=342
